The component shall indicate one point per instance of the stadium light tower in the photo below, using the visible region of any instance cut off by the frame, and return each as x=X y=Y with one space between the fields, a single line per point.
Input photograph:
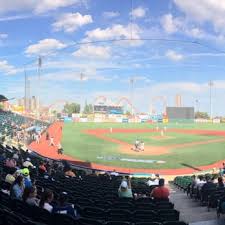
x=39 y=86
x=132 y=94
x=197 y=105
x=210 y=96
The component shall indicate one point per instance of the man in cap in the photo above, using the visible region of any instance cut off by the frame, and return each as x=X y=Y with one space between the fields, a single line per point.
x=27 y=180
x=28 y=163
x=125 y=190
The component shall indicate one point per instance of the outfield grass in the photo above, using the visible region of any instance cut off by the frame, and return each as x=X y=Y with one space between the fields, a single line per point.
x=148 y=138
x=88 y=148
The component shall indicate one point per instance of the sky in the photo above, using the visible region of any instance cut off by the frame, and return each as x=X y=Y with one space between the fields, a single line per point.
x=166 y=47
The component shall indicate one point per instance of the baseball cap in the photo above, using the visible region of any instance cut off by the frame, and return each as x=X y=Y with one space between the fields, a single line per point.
x=124 y=184
x=25 y=172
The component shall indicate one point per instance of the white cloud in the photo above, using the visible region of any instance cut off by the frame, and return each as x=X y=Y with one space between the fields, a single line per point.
x=3 y=36
x=44 y=47
x=211 y=11
x=36 y=6
x=15 y=17
x=170 y=24
x=6 y=68
x=117 y=31
x=174 y=56
x=91 y=51
x=138 y=12
x=69 y=22
x=110 y=14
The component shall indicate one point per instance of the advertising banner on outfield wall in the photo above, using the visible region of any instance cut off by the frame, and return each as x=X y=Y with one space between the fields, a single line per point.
x=83 y=120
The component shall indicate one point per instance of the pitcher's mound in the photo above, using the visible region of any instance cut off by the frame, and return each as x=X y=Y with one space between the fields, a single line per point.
x=149 y=150
x=161 y=137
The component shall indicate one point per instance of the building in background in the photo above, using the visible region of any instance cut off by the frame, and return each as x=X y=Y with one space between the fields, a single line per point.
x=33 y=104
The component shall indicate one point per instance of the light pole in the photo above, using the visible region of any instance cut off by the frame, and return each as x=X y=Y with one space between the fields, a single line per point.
x=82 y=78
x=197 y=105
x=39 y=86
x=132 y=95
x=210 y=96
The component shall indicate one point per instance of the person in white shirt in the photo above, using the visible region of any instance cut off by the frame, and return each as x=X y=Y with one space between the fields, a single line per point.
x=114 y=173
x=154 y=180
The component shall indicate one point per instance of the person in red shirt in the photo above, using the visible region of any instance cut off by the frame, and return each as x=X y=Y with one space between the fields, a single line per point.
x=160 y=192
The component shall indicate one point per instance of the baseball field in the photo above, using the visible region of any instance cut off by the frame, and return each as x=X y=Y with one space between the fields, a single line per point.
x=179 y=146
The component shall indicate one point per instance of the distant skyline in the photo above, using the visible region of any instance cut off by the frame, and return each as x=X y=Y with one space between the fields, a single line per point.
x=54 y=29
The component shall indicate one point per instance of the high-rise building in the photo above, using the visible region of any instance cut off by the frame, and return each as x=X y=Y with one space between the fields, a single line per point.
x=178 y=100
x=33 y=105
x=21 y=102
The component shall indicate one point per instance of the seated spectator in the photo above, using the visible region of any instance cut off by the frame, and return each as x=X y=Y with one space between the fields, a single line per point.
x=17 y=188
x=11 y=163
x=125 y=190
x=10 y=177
x=220 y=183
x=30 y=196
x=27 y=180
x=209 y=184
x=154 y=180
x=15 y=156
x=42 y=169
x=46 y=198
x=160 y=192
x=27 y=163
x=200 y=181
x=63 y=207
x=70 y=173
x=114 y=173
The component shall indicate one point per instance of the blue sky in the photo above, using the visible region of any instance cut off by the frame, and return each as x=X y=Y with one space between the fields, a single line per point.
x=54 y=29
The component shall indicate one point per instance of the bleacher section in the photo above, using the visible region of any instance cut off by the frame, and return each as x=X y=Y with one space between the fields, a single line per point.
x=211 y=197
x=95 y=197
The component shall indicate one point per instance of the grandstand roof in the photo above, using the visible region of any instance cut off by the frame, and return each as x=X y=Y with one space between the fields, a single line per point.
x=3 y=98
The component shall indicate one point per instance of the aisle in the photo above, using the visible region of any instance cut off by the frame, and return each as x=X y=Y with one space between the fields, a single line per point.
x=191 y=211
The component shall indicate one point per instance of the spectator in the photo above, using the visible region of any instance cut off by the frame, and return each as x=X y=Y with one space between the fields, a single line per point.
x=70 y=173
x=160 y=192
x=154 y=180
x=63 y=207
x=27 y=180
x=42 y=169
x=208 y=185
x=28 y=163
x=220 y=183
x=30 y=196
x=17 y=188
x=200 y=181
x=11 y=163
x=15 y=156
x=46 y=198
x=114 y=173
x=10 y=177
x=125 y=190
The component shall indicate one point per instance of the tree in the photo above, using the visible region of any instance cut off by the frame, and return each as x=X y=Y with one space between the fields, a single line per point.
x=128 y=113
x=201 y=115
x=1 y=106
x=71 y=108
x=88 y=108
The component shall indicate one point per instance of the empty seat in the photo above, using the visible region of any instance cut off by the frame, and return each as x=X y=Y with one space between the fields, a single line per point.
x=144 y=216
